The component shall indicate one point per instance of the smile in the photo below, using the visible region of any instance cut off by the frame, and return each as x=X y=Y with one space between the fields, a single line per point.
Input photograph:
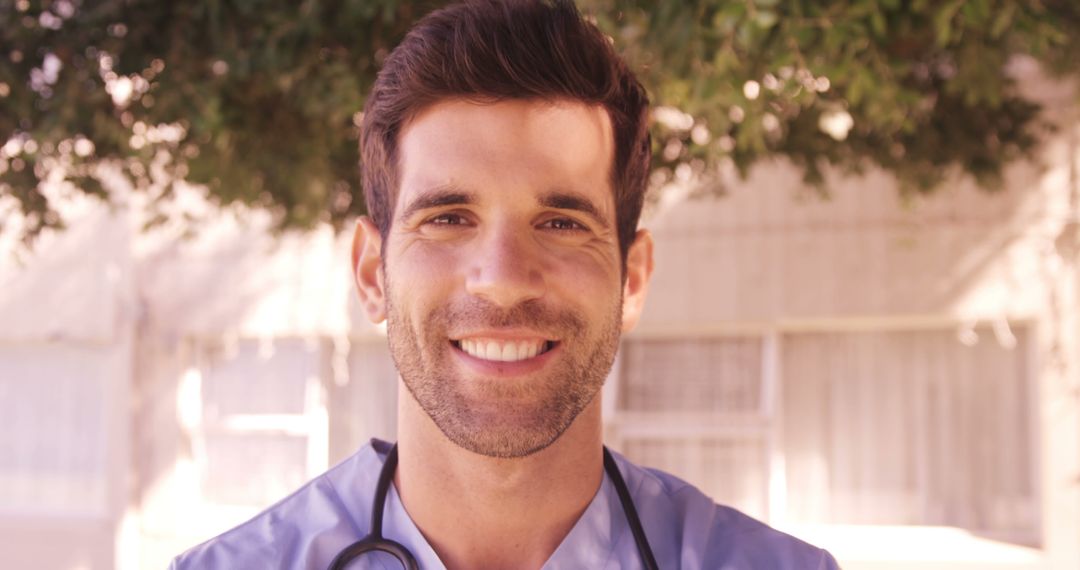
x=498 y=350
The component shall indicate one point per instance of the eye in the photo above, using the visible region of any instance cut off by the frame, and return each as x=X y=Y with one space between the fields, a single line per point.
x=563 y=225
x=447 y=219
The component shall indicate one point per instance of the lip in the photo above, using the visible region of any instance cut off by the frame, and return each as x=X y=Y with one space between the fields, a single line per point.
x=493 y=368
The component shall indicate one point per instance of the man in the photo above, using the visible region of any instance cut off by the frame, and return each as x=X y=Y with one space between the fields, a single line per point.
x=505 y=157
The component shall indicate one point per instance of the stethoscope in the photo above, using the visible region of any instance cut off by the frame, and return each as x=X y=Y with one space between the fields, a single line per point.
x=375 y=541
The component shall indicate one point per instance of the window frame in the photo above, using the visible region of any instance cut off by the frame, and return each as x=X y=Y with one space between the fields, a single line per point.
x=312 y=423
x=620 y=425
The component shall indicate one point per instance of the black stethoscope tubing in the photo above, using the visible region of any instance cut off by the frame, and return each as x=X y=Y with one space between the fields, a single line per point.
x=375 y=541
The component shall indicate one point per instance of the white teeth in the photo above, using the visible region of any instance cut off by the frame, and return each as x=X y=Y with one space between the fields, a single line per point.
x=502 y=351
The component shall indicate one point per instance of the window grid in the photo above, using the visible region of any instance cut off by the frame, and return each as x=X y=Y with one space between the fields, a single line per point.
x=905 y=381
x=264 y=424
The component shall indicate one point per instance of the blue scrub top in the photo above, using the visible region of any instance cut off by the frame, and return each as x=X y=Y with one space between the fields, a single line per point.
x=686 y=529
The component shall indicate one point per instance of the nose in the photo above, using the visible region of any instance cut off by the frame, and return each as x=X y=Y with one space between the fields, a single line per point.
x=506 y=268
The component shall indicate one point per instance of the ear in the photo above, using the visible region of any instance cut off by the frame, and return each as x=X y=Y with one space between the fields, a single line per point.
x=639 y=268
x=368 y=269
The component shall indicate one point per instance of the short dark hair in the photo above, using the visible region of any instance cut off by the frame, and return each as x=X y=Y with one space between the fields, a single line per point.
x=493 y=50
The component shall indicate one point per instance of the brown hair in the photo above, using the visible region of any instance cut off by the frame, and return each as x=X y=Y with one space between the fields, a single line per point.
x=492 y=50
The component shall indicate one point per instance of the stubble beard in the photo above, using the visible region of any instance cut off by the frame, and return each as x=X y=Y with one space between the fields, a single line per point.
x=504 y=419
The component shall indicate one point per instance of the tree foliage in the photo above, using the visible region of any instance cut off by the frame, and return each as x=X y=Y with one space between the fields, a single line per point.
x=917 y=87
x=258 y=99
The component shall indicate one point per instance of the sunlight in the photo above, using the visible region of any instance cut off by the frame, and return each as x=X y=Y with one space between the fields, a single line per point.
x=189 y=408
x=836 y=123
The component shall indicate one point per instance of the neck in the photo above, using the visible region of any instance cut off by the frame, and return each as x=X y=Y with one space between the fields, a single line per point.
x=483 y=512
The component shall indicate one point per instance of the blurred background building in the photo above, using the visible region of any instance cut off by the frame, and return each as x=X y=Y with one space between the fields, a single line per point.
x=896 y=381
x=892 y=375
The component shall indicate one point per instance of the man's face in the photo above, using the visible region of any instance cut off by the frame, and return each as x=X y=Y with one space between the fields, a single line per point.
x=502 y=273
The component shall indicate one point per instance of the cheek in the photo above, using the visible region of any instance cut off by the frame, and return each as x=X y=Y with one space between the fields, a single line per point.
x=429 y=261
x=592 y=263
x=590 y=280
x=420 y=275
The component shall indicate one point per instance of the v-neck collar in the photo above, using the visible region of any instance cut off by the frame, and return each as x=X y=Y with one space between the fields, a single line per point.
x=590 y=543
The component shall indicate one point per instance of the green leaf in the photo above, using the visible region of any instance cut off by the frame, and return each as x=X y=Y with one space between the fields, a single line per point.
x=1003 y=20
x=943 y=21
x=877 y=23
x=766 y=19
x=855 y=91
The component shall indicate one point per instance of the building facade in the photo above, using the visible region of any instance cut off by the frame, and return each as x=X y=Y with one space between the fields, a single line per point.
x=895 y=379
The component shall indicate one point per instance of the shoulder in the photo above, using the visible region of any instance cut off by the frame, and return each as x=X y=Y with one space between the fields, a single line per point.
x=708 y=535
x=301 y=530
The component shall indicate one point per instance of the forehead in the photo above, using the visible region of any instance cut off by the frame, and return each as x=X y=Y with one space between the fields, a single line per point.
x=508 y=149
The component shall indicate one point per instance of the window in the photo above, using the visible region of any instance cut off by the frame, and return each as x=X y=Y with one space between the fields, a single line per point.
x=909 y=428
x=365 y=406
x=697 y=409
x=263 y=429
x=839 y=427
x=53 y=445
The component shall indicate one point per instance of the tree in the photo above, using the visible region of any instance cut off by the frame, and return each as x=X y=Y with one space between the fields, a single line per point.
x=259 y=99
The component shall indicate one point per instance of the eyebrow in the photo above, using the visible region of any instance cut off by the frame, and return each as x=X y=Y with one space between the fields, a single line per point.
x=450 y=195
x=576 y=202
x=438 y=196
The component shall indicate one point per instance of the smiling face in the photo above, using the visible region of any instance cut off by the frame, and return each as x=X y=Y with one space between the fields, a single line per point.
x=501 y=278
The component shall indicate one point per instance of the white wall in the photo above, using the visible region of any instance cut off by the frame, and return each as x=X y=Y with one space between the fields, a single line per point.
x=771 y=259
